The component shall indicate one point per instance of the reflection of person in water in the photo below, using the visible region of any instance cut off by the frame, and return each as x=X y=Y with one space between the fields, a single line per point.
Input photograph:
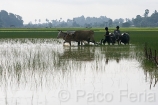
x=107 y=60
x=107 y=37
x=117 y=60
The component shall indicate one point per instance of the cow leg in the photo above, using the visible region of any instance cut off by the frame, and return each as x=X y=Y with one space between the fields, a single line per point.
x=101 y=41
x=64 y=42
x=78 y=43
x=92 y=38
x=70 y=43
x=112 y=41
x=119 y=42
x=88 y=41
x=104 y=41
x=81 y=43
x=108 y=42
x=94 y=41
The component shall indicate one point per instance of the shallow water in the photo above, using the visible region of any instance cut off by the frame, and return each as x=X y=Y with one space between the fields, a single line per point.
x=44 y=72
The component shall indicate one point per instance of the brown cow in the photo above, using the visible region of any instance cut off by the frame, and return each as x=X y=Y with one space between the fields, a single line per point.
x=64 y=36
x=78 y=36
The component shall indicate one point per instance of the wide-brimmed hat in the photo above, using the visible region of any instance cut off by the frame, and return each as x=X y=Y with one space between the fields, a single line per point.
x=106 y=28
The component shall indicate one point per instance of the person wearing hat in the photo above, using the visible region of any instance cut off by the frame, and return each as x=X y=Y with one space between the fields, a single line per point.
x=117 y=31
x=107 y=37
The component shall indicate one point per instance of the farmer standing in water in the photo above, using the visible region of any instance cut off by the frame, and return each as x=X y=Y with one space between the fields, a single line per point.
x=117 y=31
x=107 y=37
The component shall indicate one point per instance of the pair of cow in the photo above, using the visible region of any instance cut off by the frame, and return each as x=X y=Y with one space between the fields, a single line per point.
x=88 y=35
x=78 y=36
x=117 y=37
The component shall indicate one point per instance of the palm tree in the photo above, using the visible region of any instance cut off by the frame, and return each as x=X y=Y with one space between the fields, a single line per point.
x=47 y=21
x=39 y=21
x=146 y=13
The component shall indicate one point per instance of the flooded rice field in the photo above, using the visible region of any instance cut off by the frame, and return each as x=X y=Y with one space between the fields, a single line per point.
x=44 y=72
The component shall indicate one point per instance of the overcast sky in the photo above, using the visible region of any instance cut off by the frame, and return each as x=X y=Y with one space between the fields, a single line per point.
x=56 y=9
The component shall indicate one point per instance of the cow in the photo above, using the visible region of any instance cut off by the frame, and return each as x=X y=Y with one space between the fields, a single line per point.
x=124 y=38
x=78 y=36
x=120 y=38
x=85 y=35
x=111 y=39
x=64 y=35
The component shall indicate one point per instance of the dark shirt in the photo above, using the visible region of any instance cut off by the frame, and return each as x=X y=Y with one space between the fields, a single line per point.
x=107 y=37
x=107 y=33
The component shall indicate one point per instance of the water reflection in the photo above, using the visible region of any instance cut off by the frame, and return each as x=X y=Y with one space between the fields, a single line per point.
x=78 y=53
x=151 y=72
x=33 y=71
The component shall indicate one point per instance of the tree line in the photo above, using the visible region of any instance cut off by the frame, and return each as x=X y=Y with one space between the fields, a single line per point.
x=102 y=21
x=146 y=21
x=13 y=20
x=10 y=19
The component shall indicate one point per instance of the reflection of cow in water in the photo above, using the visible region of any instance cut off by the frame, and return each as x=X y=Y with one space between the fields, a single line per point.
x=123 y=38
x=79 y=54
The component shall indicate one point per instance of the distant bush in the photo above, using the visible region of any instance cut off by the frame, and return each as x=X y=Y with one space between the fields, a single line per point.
x=126 y=24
